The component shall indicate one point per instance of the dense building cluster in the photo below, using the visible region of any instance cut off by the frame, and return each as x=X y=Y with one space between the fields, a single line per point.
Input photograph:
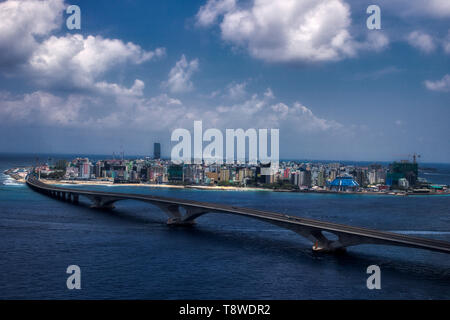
x=291 y=175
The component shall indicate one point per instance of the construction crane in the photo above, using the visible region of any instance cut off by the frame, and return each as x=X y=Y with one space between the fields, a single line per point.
x=415 y=156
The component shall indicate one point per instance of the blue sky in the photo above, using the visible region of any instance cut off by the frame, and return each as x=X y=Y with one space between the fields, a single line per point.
x=139 y=69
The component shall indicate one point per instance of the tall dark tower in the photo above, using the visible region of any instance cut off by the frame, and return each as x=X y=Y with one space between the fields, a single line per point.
x=157 y=150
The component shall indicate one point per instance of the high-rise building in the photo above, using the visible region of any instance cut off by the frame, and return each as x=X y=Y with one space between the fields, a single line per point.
x=175 y=173
x=404 y=169
x=333 y=174
x=321 y=179
x=99 y=169
x=157 y=150
x=224 y=175
x=372 y=177
x=361 y=176
x=304 y=179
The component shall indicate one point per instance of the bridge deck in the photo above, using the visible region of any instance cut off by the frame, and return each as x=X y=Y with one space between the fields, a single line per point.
x=383 y=237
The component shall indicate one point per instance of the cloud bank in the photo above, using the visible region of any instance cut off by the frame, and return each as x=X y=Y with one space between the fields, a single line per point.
x=289 y=30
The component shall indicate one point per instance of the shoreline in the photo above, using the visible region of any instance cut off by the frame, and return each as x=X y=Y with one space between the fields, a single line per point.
x=152 y=185
x=20 y=179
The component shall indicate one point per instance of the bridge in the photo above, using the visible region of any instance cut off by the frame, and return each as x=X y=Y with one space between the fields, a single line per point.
x=184 y=212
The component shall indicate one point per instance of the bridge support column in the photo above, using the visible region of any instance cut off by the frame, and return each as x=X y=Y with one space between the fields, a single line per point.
x=75 y=198
x=106 y=203
x=179 y=222
x=343 y=241
x=177 y=217
x=320 y=242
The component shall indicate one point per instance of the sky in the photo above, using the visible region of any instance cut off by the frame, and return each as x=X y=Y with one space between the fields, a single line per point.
x=137 y=70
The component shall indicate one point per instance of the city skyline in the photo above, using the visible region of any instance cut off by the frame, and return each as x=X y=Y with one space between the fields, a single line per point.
x=397 y=178
x=288 y=174
x=137 y=71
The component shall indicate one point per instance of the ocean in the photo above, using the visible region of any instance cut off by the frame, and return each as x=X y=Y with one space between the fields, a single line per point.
x=130 y=252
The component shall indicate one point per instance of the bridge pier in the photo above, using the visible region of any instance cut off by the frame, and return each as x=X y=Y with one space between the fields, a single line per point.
x=98 y=202
x=179 y=222
x=340 y=244
x=177 y=217
x=320 y=242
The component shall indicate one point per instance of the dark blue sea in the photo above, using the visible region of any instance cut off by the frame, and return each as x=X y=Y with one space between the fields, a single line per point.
x=130 y=252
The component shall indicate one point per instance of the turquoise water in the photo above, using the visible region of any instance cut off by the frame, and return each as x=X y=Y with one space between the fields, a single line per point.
x=131 y=253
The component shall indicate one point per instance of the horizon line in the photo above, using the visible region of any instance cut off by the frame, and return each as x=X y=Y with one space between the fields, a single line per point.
x=162 y=158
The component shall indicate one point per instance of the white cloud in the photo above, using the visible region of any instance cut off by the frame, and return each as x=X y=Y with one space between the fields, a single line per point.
x=269 y=94
x=208 y=14
x=45 y=108
x=262 y=113
x=180 y=75
x=237 y=90
x=422 y=41
x=144 y=114
x=84 y=111
x=233 y=91
x=439 y=8
x=128 y=109
x=115 y=89
x=376 y=41
x=436 y=8
x=439 y=85
x=307 y=121
x=427 y=43
x=289 y=30
x=81 y=60
x=73 y=61
x=21 y=22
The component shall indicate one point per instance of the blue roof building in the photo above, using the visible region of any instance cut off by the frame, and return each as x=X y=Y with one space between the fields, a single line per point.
x=344 y=183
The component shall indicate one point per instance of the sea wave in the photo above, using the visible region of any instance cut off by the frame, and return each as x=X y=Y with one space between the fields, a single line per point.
x=11 y=182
